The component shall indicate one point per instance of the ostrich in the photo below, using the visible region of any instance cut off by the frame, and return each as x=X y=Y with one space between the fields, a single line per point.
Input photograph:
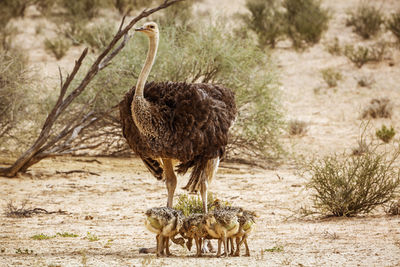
x=177 y=124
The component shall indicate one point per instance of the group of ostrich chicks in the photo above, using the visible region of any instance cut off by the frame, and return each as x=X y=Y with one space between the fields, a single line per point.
x=224 y=223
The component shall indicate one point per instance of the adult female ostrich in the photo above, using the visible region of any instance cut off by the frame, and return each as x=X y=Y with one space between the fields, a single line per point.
x=171 y=122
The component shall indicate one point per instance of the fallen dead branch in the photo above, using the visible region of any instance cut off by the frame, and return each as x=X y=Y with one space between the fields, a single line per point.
x=13 y=211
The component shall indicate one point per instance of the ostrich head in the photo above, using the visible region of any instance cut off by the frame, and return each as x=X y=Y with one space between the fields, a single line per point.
x=149 y=28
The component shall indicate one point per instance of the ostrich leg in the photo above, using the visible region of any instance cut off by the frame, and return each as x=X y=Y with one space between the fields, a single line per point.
x=211 y=170
x=170 y=180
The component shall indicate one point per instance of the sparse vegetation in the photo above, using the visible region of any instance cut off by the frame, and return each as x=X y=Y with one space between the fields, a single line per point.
x=306 y=21
x=378 y=108
x=297 y=127
x=393 y=208
x=331 y=76
x=24 y=251
x=57 y=46
x=14 y=94
x=393 y=24
x=334 y=47
x=192 y=204
x=42 y=237
x=365 y=81
x=366 y=20
x=92 y=237
x=385 y=134
x=277 y=248
x=347 y=185
x=266 y=20
x=362 y=54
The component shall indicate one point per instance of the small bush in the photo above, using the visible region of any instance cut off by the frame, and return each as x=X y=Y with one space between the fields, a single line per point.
x=57 y=46
x=362 y=54
x=346 y=185
x=193 y=204
x=125 y=6
x=331 y=76
x=306 y=21
x=393 y=24
x=385 y=134
x=366 y=20
x=266 y=20
x=14 y=91
x=334 y=47
x=96 y=36
x=365 y=81
x=394 y=208
x=297 y=127
x=378 y=108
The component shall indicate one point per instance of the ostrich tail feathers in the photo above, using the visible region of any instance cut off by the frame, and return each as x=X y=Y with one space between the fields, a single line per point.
x=196 y=177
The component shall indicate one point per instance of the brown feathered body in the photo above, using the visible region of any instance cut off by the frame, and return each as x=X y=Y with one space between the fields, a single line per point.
x=191 y=122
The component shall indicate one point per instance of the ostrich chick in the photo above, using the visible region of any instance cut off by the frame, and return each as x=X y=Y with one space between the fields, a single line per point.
x=194 y=228
x=246 y=226
x=222 y=224
x=166 y=223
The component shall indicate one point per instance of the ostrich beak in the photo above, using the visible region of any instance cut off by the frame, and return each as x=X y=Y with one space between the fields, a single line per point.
x=139 y=29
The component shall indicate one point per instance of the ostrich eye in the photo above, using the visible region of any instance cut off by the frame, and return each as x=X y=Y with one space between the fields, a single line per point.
x=151 y=26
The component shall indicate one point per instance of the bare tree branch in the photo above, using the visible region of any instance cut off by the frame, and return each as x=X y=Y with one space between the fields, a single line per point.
x=36 y=152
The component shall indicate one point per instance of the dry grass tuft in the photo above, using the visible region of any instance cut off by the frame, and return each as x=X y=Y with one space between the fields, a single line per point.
x=394 y=208
x=297 y=127
x=378 y=108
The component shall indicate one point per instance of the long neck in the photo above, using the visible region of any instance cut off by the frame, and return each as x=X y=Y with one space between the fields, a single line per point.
x=151 y=55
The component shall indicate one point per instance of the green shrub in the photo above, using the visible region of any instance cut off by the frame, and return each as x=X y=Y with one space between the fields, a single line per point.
x=14 y=81
x=331 y=76
x=362 y=54
x=265 y=20
x=193 y=204
x=97 y=36
x=385 y=134
x=57 y=46
x=393 y=24
x=82 y=9
x=125 y=6
x=347 y=185
x=306 y=21
x=366 y=20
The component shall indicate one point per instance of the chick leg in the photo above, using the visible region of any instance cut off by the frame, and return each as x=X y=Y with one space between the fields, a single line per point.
x=247 y=247
x=237 y=252
x=219 y=248
x=231 y=246
x=160 y=245
x=198 y=246
x=225 y=240
x=166 y=245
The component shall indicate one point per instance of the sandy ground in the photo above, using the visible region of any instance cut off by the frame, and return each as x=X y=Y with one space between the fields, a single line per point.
x=108 y=200
x=120 y=190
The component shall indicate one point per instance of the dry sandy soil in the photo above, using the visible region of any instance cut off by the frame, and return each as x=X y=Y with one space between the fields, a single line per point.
x=108 y=199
